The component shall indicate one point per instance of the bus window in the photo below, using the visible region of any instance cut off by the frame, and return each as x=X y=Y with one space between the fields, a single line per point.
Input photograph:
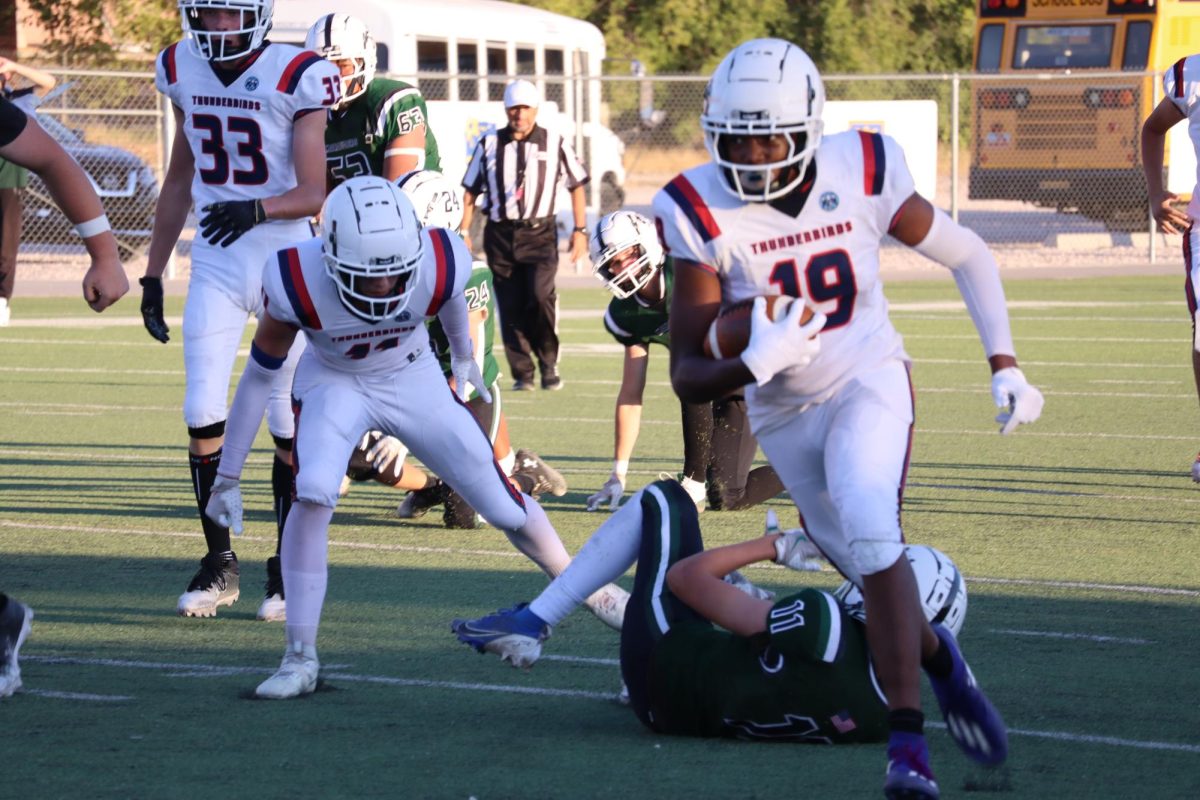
x=1063 y=47
x=526 y=61
x=555 y=91
x=497 y=67
x=468 y=65
x=1137 y=46
x=433 y=56
x=991 y=38
x=381 y=56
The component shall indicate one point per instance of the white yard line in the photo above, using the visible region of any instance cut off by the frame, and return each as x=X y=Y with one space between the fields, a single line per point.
x=1088 y=637
x=213 y=670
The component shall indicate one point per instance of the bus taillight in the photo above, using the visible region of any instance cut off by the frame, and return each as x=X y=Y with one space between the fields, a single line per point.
x=1004 y=98
x=1108 y=98
x=1001 y=8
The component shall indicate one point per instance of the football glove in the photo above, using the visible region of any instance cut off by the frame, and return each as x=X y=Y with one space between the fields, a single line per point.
x=609 y=493
x=466 y=371
x=793 y=548
x=1021 y=401
x=782 y=344
x=152 y=308
x=224 y=223
x=388 y=453
x=225 y=504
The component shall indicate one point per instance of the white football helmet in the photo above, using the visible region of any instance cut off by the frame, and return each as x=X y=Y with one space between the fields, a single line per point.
x=614 y=235
x=764 y=87
x=369 y=230
x=226 y=45
x=941 y=586
x=436 y=199
x=341 y=36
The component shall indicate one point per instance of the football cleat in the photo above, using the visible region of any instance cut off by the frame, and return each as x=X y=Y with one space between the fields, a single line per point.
x=973 y=722
x=908 y=773
x=296 y=676
x=273 y=608
x=695 y=489
x=506 y=634
x=420 y=501
x=15 y=623
x=1196 y=469
x=608 y=604
x=545 y=478
x=215 y=584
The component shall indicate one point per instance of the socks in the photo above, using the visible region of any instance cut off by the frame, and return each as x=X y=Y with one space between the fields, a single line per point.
x=304 y=564
x=538 y=540
x=204 y=472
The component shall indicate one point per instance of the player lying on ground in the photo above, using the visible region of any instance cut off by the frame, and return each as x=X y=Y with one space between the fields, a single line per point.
x=361 y=292
x=795 y=668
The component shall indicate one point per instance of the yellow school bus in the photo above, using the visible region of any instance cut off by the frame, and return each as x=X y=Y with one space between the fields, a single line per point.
x=1060 y=125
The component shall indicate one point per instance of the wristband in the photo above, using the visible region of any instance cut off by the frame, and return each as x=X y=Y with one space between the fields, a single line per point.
x=93 y=227
x=621 y=467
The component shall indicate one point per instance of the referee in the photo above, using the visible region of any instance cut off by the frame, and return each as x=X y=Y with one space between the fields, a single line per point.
x=519 y=168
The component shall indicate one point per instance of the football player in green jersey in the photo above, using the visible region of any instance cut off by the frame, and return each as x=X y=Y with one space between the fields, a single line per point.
x=382 y=458
x=794 y=668
x=718 y=448
x=380 y=126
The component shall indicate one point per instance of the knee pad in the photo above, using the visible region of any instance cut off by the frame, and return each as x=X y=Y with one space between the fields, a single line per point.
x=213 y=431
x=875 y=555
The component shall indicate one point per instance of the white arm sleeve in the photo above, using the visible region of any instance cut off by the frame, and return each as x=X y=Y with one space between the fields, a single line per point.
x=978 y=278
x=456 y=323
x=245 y=416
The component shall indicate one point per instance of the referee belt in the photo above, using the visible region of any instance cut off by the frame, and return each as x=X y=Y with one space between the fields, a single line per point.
x=523 y=223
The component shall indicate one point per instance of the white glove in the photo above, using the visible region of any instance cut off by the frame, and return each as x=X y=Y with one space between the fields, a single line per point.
x=465 y=370
x=225 y=504
x=609 y=493
x=793 y=548
x=1021 y=401
x=387 y=453
x=782 y=344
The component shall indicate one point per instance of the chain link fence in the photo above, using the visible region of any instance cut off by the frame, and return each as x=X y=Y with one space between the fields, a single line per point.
x=1045 y=167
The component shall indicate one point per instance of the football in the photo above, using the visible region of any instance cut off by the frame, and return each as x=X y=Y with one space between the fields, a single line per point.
x=730 y=331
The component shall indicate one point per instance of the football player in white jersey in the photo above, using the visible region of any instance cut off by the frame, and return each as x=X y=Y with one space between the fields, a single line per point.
x=249 y=154
x=361 y=292
x=1181 y=100
x=783 y=210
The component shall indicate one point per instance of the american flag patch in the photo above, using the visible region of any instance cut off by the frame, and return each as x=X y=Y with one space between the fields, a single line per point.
x=843 y=722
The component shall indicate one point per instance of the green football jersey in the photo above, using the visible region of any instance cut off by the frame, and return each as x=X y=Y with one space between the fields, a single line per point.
x=356 y=136
x=479 y=296
x=632 y=323
x=807 y=679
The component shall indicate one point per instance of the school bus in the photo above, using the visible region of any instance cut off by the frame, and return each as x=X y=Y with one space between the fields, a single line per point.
x=1060 y=125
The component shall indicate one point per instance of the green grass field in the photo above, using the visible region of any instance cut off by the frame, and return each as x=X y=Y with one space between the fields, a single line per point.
x=1077 y=536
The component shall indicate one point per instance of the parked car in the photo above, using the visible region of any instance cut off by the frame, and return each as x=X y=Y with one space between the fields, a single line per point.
x=126 y=184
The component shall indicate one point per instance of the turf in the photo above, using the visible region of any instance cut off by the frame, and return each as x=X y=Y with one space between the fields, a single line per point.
x=1077 y=537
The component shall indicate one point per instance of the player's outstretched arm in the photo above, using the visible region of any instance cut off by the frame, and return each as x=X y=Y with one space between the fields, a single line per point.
x=1154 y=136
x=698 y=581
x=627 y=423
x=695 y=301
x=933 y=234
x=33 y=148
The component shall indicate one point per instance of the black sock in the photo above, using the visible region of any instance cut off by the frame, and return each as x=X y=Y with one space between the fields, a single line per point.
x=906 y=720
x=940 y=664
x=283 y=485
x=204 y=472
x=3 y=602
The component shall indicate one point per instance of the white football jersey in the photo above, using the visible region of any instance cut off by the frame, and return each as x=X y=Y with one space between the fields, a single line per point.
x=1181 y=83
x=241 y=134
x=826 y=252
x=298 y=291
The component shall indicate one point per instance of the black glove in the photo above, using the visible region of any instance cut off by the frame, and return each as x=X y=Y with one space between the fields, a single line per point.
x=224 y=223
x=152 y=308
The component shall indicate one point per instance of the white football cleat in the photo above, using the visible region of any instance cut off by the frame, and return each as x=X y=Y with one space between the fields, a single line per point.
x=608 y=604
x=297 y=674
x=14 y=629
x=215 y=584
x=272 y=609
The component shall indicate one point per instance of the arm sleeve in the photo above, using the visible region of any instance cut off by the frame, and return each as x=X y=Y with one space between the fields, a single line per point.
x=457 y=326
x=978 y=278
x=246 y=413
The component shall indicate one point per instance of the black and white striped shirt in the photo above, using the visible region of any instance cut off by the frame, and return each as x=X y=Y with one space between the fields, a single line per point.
x=520 y=177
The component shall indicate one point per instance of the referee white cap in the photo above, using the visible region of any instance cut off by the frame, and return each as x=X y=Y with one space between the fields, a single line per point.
x=521 y=93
